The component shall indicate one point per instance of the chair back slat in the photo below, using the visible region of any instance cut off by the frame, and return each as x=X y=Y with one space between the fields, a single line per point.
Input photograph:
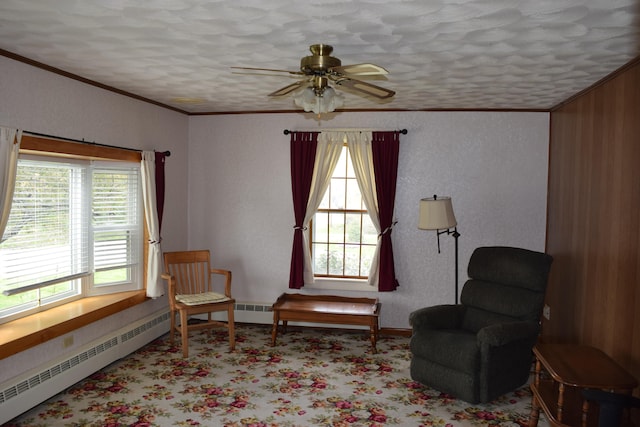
x=190 y=270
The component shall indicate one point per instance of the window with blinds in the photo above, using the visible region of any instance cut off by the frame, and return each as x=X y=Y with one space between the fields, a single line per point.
x=74 y=230
x=115 y=223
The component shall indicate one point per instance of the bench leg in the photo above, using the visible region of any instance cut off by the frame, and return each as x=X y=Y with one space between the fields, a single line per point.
x=374 y=336
x=274 y=329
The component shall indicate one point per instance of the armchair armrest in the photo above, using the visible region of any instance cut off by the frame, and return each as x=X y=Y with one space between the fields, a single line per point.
x=504 y=333
x=227 y=283
x=436 y=317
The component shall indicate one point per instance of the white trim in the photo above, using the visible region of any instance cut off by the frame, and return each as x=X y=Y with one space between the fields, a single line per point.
x=360 y=285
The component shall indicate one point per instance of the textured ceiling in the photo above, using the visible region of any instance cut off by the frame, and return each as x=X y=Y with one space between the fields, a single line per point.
x=441 y=54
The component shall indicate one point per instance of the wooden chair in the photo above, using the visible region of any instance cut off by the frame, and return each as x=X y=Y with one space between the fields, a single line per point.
x=191 y=291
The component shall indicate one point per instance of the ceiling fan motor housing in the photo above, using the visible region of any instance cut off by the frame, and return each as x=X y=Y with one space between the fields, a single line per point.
x=320 y=62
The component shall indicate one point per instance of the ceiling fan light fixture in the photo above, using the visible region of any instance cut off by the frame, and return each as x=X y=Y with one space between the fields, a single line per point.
x=325 y=102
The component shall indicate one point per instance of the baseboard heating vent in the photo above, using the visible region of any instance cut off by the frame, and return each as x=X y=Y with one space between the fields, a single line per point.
x=144 y=327
x=47 y=374
x=253 y=307
x=250 y=312
x=25 y=393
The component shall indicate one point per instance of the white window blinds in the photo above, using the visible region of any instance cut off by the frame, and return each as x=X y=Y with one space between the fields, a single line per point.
x=45 y=241
x=115 y=222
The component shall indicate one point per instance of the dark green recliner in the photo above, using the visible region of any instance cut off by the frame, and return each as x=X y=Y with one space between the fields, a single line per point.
x=481 y=348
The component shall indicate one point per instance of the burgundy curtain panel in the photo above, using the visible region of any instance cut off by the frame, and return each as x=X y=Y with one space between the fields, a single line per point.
x=160 y=159
x=385 y=148
x=303 y=156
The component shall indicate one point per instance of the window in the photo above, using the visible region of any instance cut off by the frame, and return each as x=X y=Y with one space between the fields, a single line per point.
x=75 y=229
x=343 y=238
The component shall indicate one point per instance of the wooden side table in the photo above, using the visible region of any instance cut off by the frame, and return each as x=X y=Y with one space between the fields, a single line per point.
x=573 y=368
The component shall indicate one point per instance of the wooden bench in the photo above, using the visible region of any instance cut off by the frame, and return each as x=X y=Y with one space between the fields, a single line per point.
x=326 y=309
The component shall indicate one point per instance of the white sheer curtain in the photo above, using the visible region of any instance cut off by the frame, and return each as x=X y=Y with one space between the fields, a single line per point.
x=9 y=149
x=327 y=156
x=362 y=158
x=154 y=260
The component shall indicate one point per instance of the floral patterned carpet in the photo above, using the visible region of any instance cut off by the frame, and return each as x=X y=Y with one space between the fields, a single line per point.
x=313 y=377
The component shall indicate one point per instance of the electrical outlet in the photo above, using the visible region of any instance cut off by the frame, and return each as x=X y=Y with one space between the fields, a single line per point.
x=67 y=341
x=546 y=312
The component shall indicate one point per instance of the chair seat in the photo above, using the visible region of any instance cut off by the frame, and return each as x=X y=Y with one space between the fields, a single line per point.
x=202 y=298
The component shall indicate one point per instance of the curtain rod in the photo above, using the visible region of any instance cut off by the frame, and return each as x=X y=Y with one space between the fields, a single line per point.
x=402 y=131
x=82 y=141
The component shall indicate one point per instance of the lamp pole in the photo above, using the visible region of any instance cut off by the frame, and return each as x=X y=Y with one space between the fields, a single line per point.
x=455 y=235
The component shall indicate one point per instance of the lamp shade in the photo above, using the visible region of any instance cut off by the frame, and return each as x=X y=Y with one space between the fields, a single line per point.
x=436 y=213
x=326 y=102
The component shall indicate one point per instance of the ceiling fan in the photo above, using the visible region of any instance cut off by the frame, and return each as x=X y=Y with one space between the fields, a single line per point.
x=320 y=68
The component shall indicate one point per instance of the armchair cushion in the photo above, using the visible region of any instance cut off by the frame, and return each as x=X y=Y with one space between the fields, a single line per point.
x=510 y=266
x=509 y=301
x=201 y=298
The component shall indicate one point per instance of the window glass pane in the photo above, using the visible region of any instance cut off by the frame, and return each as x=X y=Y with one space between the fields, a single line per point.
x=320 y=227
x=336 y=259
x=336 y=227
x=369 y=233
x=338 y=193
x=320 y=257
x=118 y=275
x=58 y=291
x=350 y=172
x=354 y=198
x=352 y=260
x=113 y=203
x=367 y=256
x=352 y=224
x=16 y=303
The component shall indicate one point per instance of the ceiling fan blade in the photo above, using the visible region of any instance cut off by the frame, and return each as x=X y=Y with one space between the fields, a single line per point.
x=298 y=73
x=360 y=70
x=288 y=89
x=366 y=88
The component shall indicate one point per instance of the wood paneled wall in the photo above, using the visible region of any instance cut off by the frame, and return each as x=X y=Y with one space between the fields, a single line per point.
x=593 y=224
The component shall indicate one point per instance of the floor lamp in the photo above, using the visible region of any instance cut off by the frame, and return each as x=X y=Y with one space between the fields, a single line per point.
x=437 y=214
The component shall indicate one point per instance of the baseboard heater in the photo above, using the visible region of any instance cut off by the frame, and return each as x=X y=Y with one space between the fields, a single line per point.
x=26 y=391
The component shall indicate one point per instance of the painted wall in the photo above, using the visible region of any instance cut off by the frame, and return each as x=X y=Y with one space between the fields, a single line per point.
x=40 y=101
x=493 y=165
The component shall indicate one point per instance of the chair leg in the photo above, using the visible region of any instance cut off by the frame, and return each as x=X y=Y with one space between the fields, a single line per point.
x=184 y=332
x=232 y=332
x=173 y=327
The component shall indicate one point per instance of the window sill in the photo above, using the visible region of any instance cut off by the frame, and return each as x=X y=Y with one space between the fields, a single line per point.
x=22 y=334
x=341 y=285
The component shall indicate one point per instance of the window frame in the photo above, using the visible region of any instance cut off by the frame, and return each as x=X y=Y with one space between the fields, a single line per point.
x=52 y=148
x=341 y=282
